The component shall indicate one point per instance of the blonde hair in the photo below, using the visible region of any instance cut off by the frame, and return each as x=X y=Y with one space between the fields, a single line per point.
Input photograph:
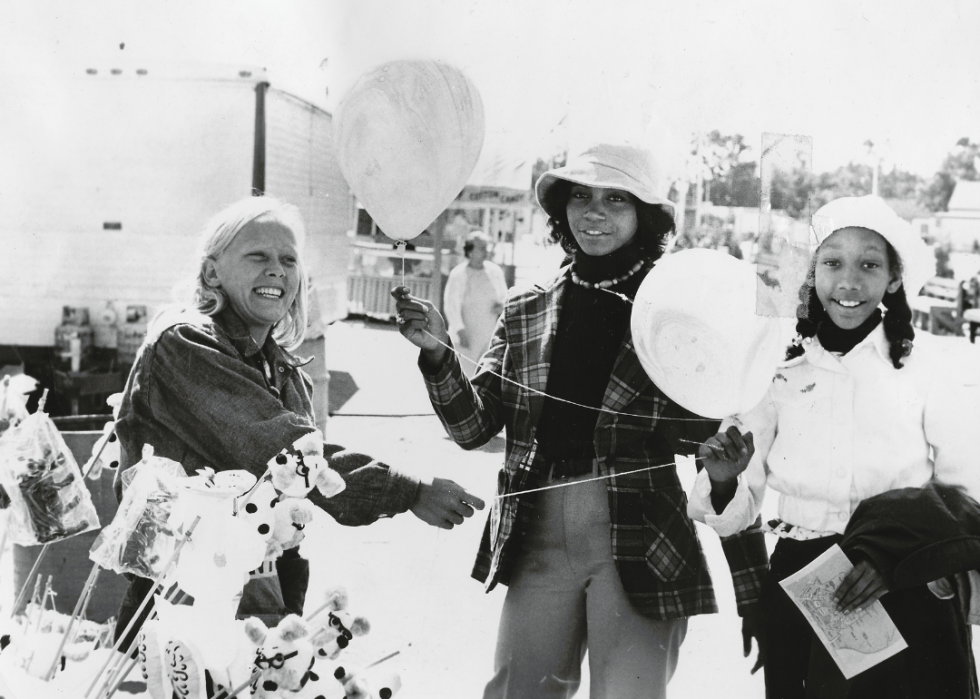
x=218 y=234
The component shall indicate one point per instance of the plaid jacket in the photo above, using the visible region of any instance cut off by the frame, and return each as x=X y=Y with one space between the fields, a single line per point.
x=655 y=545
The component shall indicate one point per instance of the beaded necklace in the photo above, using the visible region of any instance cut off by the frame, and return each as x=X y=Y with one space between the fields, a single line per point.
x=606 y=283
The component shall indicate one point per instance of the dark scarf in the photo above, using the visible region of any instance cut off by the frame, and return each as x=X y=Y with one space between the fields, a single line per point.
x=590 y=330
x=835 y=339
x=595 y=269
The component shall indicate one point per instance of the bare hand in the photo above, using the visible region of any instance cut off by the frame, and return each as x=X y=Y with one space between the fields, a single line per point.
x=420 y=323
x=859 y=588
x=444 y=503
x=752 y=628
x=727 y=454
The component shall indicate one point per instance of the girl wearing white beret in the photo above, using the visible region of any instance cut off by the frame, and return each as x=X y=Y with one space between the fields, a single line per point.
x=853 y=412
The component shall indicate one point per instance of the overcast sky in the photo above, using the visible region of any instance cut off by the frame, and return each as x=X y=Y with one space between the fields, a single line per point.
x=902 y=71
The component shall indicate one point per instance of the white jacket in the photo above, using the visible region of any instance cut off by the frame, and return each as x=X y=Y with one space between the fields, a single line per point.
x=833 y=431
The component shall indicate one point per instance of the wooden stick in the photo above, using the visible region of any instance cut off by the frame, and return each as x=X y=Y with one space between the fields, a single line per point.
x=309 y=617
x=105 y=443
x=3 y=539
x=146 y=600
x=5 y=386
x=387 y=657
x=240 y=688
x=82 y=599
x=23 y=589
x=123 y=675
x=172 y=595
x=31 y=637
x=44 y=602
x=250 y=492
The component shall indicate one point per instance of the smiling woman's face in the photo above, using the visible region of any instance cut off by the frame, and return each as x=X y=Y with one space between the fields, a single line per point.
x=602 y=220
x=259 y=272
x=852 y=275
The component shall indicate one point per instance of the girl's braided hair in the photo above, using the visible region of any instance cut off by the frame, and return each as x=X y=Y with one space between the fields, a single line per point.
x=897 y=320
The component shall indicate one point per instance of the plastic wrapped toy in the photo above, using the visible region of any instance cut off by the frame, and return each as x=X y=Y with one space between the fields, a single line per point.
x=48 y=499
x=139 y=540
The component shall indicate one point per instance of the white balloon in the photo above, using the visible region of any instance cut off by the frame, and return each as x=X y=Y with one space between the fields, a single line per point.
x=698 y=336
x=408 y=135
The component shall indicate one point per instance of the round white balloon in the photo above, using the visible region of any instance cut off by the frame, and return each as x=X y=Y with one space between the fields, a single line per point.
x=408 y=135
x=698 y=337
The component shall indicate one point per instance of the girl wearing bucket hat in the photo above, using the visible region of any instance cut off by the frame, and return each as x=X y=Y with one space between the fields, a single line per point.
x=612 y=563
x=853 y=413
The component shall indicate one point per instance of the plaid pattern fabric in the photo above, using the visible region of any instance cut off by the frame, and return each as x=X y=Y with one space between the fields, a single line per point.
x=654 y=543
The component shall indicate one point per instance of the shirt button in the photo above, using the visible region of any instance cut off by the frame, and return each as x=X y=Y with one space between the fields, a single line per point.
x=281 y=370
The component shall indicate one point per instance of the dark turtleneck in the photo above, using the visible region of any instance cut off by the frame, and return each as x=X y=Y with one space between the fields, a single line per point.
x=841 y=341
x=590 y=330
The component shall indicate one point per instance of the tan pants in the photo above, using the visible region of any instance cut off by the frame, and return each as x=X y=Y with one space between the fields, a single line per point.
x=565 y=596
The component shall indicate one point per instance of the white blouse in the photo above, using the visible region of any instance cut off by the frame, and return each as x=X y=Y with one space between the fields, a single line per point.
x=833 y=431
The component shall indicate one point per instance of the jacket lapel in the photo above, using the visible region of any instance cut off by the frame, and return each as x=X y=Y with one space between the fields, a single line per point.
x=627 y=381
x=543 y=314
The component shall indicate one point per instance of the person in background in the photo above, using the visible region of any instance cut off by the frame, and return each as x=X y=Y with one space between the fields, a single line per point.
x=216 y=386
x=604 y=557
x=474 y=300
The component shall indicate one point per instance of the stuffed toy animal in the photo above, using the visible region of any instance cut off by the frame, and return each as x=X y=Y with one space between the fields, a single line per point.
x=291 y=516
x=278 y=520
x=340 y=631
x=258 y=509
x=360 y=684
x=337 y=627
x=299 y=468
x=214 y=564
x=285 y=656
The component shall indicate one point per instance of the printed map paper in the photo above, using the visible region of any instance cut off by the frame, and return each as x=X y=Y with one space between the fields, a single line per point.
x=857 y=640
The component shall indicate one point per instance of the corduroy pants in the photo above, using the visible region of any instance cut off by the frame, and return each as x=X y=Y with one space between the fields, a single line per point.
x=564 y=598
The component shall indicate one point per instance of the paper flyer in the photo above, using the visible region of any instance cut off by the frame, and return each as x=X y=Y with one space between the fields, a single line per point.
x=856 y=640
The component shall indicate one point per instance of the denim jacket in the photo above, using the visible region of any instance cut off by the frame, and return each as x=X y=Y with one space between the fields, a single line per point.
x=203 y=393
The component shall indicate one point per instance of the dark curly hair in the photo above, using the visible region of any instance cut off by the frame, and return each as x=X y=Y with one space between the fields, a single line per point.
x=897 y=320
x=655 y=225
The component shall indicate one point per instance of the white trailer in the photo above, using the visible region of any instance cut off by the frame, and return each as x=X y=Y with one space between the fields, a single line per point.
x=107 y=175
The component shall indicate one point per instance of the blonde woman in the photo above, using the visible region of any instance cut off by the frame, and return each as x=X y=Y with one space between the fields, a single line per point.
x=216 y=386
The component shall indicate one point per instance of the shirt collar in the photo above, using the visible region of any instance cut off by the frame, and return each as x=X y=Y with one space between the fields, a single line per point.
x=875 y=341
x=236 y=330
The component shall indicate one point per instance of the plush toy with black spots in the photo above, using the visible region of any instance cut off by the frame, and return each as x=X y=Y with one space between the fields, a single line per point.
x=285 y=656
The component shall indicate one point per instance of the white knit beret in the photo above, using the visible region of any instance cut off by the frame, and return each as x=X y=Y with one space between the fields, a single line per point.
x=871 y=212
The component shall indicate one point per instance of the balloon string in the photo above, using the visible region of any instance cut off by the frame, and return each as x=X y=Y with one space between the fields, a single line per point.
x=587 y=480
x=401 y=245
x=563 y=400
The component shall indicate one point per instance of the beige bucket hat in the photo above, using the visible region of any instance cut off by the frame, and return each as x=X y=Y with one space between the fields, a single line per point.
x=614 y=166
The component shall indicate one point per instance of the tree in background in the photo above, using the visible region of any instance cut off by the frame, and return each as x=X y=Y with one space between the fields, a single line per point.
x=738 y=187
x=962 y=163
